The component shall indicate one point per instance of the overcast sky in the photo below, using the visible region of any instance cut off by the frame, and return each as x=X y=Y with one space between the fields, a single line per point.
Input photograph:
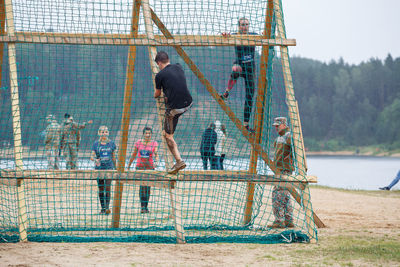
x=355 y=30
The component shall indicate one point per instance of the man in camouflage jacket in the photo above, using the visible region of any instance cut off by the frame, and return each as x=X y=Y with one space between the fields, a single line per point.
x=52 y=142
x=70 y=140
x=283 y=159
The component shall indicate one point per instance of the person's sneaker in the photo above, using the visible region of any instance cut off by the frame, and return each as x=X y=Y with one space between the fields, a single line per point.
x=107 y=211
x=289 y=224
x=250 y=130
x=177 y=167
x=384 y=188
x=144 y=210
x=276 y=224
x=102 y=212
x=225 y=95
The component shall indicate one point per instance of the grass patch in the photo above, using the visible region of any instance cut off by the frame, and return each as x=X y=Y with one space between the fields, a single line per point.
x=380 y=193
x=345 y=250
x=268 y=257
x=357 y=249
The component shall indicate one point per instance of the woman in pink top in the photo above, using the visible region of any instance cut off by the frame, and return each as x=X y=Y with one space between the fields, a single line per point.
x=146 y=152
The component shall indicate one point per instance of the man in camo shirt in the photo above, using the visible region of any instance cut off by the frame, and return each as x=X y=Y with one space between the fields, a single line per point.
x=283 y=159
x=70 y=139
x=52 y=142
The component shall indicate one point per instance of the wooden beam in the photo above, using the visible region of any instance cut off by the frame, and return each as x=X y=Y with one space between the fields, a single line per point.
x=22 y=217
x=175 y=201
x=160 y=103
x=126 y=115
x=259 y=112
x=298 y=143
x=143 y=40
x=176 y=211
x=2 y=32
x=298 y=199
x=154 y=176
x=196 y=71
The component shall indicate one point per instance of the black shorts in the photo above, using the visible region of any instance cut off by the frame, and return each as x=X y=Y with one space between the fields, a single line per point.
x=171 y=118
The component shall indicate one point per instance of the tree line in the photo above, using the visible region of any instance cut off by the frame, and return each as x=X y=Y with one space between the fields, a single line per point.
x=344 y=105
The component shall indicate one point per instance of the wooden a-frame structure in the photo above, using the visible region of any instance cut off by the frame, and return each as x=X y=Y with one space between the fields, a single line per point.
x=291 y=182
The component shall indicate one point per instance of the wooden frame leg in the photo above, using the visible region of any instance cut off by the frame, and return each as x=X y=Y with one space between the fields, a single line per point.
x=177 y=213
x=297 y=197
x=306 y=204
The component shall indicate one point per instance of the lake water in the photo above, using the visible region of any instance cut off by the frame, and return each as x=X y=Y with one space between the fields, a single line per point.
x=348 y=172
x=354 y=172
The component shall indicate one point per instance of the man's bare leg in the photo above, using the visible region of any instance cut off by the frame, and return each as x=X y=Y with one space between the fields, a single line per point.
x=173 y=147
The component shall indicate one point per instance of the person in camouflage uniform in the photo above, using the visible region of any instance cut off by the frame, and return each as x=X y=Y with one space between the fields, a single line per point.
x=283 y=159
x=70 y=139
x=52 y=142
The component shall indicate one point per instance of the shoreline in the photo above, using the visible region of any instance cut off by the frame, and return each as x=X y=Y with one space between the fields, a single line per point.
x=352 y=153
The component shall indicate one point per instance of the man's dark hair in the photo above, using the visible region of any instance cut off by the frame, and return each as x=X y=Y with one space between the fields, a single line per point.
x=241 y=19
x=147 y=128
x=162 y=57
x=211 y=125
x=66 y=115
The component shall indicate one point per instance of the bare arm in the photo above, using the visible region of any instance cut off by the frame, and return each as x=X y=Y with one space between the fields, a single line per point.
x=82 y=125
x=157 y=93
x=94 y=158
x=114 y=159
x=156 y=156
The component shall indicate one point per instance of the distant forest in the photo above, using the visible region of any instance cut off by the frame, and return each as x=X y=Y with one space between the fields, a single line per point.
x=344 y=105
x=341 y=105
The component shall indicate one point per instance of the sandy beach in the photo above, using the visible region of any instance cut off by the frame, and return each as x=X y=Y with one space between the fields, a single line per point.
x=351 y=214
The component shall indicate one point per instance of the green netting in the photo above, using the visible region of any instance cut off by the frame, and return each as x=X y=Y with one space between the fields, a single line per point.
x=80 y=65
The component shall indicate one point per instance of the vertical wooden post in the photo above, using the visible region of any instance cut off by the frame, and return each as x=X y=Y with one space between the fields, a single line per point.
x=154 y=70
x=290 y=99
x=2 y=31
x=259 y=113
x=22 y=217
x=173 y=191
x=309 y=214
x=298 y=143
x=175 y=201
x=126 y=114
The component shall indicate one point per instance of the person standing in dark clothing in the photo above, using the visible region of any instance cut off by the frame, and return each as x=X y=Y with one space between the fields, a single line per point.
x=171 y=79
x=244 y=67
x=207 y=147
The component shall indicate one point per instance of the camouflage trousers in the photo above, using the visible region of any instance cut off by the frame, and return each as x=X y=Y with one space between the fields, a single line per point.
x=52 y=157
x=281 y=205
x=71 y=155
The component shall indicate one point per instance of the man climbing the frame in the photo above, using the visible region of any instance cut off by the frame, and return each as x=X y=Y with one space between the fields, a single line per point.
x=171 y=79
x=283 y=160
x=243 y=67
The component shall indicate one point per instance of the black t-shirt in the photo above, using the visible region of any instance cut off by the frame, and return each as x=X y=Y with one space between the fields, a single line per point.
x=245 y=54
x=172 y=81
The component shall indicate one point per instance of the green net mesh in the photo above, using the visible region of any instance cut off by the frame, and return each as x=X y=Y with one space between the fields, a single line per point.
x=61 y=56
